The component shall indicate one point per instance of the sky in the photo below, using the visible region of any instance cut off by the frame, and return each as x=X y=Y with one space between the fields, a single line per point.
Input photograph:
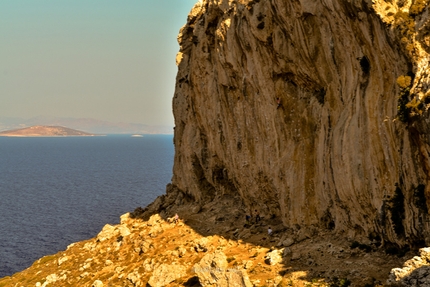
x=103 y=59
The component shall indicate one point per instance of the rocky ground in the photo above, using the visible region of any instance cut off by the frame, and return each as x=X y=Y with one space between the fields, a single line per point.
x=211 y=244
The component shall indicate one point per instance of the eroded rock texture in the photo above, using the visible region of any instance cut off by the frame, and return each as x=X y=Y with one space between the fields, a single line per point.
x=331 y=151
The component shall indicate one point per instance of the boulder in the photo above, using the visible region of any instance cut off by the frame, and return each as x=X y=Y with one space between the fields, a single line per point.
x=196 y=209
x=287 y=252
x=425 y=254
x=155 y=230
x=288 y=242
x=181 y=251
x=155 y=220
x=135 y=279
x=110 y=231
x=165 y=274
x=415 y=271
x=213 y=270
x=274 y=257
x=201 y=244
x=106 y=233
x=125 y=218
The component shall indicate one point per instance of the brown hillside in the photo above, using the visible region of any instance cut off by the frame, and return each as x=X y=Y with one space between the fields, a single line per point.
x=44 y=131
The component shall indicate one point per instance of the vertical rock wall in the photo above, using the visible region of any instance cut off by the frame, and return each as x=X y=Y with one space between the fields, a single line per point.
x=330 y=152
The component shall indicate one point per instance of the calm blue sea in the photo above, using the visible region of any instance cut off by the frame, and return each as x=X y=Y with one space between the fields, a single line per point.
x=55 y=191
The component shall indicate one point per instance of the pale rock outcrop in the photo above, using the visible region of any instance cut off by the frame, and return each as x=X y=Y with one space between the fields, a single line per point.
x=212 y=270
x=201 y=244
x=415 y=272
x=110 y=231
x=275 y=256
x=155 y=220
x=180 y=252
x=293 y=107
x=51 y=279
x=135 y=279
x=62 y=259
x=165 y=274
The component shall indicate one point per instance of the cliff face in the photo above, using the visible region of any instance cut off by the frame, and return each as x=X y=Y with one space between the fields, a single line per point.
x=296 y=107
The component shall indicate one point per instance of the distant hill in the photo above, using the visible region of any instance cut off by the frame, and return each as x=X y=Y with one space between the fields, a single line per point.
x=85 y=124
x=44 y=131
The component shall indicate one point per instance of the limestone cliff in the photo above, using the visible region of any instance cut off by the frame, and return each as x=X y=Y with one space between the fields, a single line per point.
x=311 y=111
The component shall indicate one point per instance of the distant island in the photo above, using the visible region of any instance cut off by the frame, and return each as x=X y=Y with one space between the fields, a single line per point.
x=44 y=131
x=89 y=125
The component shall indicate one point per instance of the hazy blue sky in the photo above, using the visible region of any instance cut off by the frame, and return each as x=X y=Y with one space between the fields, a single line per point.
x=104 y=59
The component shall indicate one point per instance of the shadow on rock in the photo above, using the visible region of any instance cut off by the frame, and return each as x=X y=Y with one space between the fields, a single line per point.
x=287 y=255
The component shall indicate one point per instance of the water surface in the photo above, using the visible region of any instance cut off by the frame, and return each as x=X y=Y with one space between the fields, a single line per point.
x=55 y=191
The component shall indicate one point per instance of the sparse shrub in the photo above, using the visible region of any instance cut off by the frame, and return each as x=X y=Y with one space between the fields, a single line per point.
x=396 y=250
x=426 y=98
x=420 y=200
x=365 y=247
x=416 y=106
x=374 y=236
x=417 y=7
x=404 y=81
x=45 y=259
x=403 y=112
x=354 y=245
x=361 y=246
x=397 y=209
x=3 y=284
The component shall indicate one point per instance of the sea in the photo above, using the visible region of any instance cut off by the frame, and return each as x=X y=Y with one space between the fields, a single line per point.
x=58 y=190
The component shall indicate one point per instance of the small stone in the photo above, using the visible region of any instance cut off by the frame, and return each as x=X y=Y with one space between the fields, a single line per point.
x=287 y=252
x=196 y=209
x=248 y=264
x=62 y=260
x=295 y=256
x=274 y=257
x=135 y=278
x=277 y=280
x=108 y=262
x=288 y=242
x=106 y=233
x=181 y=251
x=85 y=274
